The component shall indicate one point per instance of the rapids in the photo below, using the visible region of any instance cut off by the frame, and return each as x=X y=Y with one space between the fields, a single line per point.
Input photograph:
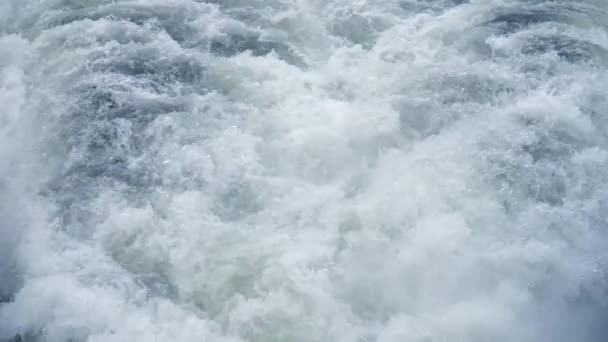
x=304 y=170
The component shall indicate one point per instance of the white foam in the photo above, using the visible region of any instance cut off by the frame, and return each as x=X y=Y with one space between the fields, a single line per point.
x=301 y=171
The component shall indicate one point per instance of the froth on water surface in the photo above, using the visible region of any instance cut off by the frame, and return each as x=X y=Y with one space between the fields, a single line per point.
x=186 y=170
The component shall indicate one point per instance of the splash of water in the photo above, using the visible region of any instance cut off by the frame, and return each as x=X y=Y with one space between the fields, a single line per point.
x=286 y=170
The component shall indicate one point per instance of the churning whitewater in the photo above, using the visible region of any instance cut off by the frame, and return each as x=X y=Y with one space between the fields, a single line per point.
x=304 y=170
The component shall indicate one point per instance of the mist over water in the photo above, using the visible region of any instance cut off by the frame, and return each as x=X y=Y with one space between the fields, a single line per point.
x=292 y=170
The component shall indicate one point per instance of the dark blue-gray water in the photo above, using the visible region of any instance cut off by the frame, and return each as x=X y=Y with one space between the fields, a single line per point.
x=304 y=170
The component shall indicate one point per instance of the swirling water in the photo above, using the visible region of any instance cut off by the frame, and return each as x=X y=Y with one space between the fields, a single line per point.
x=304 y=170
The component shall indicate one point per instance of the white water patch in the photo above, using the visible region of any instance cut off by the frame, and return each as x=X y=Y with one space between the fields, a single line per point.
x=303 y=170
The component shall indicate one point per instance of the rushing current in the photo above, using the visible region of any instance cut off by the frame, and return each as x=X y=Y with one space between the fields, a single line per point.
x=304 y=170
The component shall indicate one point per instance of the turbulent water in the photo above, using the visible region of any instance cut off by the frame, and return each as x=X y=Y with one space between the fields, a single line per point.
x=304 y=170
